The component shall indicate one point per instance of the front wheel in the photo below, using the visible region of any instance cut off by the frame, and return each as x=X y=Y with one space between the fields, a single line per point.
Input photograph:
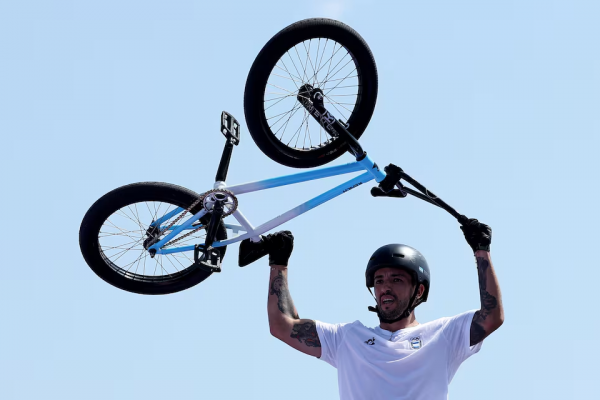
x=115 y=232
x=327 y=55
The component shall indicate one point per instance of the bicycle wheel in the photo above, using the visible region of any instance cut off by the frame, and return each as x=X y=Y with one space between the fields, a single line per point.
x=116 y=228
x=326 y=54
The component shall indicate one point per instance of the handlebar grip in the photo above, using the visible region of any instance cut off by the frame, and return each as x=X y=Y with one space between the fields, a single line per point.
x=378 y=192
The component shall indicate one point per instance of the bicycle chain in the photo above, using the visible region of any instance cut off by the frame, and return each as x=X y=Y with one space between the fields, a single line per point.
x=184 y=236
x=194 y=204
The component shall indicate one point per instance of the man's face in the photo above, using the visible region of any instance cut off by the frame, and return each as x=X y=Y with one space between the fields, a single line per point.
x=393 y=289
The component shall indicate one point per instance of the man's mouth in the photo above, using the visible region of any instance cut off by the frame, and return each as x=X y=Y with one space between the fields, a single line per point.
x=387 y=299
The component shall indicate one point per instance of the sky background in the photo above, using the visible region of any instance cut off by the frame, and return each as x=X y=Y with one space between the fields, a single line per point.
x=492 y=105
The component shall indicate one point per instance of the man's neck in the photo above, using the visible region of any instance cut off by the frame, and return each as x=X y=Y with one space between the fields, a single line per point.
x=408 y=322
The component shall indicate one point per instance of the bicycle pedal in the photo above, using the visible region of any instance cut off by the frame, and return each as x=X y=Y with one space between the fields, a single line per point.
x=208 y=260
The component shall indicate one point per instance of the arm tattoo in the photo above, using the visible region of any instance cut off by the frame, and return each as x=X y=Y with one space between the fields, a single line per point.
x=482 y=266
x=488 y=303
x=477 y=331
x=284 y=303
x=306 y=332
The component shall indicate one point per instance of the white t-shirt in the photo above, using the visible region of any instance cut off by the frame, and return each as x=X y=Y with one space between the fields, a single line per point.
x=412 y=363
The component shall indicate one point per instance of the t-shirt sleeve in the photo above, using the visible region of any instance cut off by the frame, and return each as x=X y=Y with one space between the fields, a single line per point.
x=457 y=330
x=330 y=336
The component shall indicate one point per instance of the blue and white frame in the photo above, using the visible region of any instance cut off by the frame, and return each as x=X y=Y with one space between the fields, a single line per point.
x=371 y=169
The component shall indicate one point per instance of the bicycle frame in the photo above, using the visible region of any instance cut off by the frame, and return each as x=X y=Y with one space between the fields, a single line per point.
x=335 y=129
x=371 y=169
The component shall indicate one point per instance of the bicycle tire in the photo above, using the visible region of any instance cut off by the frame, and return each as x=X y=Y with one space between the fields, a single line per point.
x=92 y=238
x=267 y=61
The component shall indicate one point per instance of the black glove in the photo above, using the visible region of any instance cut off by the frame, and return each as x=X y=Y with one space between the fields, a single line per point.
x=279 y=246
x=478 y=235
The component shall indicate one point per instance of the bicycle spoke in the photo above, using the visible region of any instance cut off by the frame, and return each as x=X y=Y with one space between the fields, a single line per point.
x=275 y=116
x=182 y=266
x=274 y=104
x=107 y=234
x=338 y=83
x=300 y=127
x=291 y=93
x=296 y=68
x=108 y=220
x=293 y=111
x=286 y=123
x=303 y=67
x=331 y=101
x=308 y=56
x=289 y=73
x=306 y=115
x=324 y=83
x=169 y=260
x=316 y=60
x=134 y=261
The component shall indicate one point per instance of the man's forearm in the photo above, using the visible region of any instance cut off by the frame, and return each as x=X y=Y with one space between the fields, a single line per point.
x=280 y=305
x=284 y=322
x=491 y=314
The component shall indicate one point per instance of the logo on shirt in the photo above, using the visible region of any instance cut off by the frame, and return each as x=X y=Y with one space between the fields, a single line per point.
x=416 y=343
x=370 y=341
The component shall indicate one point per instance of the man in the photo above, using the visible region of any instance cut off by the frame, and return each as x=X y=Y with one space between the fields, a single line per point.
x=401 y=358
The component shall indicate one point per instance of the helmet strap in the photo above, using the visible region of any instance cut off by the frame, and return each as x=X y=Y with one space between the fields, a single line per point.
x=405 y=314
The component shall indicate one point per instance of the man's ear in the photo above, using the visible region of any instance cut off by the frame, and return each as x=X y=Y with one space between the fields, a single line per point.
x=421 y=291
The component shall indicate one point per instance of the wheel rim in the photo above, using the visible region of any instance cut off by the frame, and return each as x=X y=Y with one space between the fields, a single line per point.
x=323 y=63
x=121 y=243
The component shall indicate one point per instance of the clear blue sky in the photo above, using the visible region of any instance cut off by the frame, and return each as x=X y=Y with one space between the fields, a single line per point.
x=493 y=105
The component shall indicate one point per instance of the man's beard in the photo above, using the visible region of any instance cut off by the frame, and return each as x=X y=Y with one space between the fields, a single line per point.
x=394 y=313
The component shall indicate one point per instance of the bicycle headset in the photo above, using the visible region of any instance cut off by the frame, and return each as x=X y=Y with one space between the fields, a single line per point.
x=404 y=257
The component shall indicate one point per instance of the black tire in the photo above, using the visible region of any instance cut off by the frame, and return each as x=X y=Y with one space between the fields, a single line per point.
x=318 y=32
x=96 y=229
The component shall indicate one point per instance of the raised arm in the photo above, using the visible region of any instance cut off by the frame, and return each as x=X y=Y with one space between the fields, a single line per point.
x=491 y=314
x=284 y=322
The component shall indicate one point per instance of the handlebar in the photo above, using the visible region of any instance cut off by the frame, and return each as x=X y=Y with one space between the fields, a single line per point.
x=394 y=175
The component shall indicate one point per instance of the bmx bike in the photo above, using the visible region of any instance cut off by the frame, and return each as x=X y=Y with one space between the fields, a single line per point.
x=309 y=96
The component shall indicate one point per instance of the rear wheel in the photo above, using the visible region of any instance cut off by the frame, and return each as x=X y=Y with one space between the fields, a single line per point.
x=325 y=54
x=116 y=231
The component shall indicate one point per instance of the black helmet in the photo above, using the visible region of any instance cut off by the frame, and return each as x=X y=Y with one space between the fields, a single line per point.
x=403 y=257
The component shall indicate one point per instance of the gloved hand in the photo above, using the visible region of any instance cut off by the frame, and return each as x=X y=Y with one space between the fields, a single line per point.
x=279 y=246
x=478 y=235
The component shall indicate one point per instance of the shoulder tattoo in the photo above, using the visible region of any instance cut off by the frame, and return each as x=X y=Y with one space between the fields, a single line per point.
x=306 y=332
